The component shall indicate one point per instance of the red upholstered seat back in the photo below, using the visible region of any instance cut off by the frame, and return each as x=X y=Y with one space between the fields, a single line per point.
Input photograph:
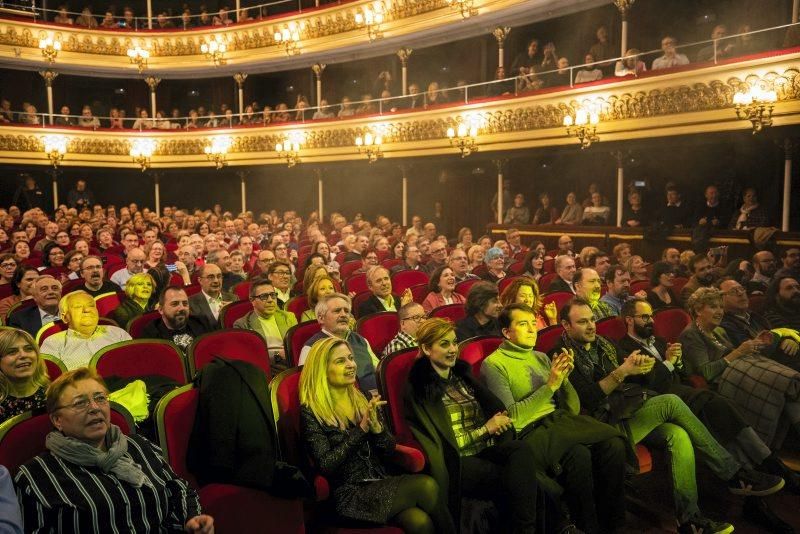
x=296 y=338
x=234 y=311
x=6 y=290
x=639 y=285
x=175 y=418
x=559 y=297
x=70 y=285
x=677 y=284
x=475 y=350
x=545 y=281
x=455 y=312
x=505 y=282
x=348 y=268
x=136 y=325
x=141 y=357
x=612 y=328
x=356 y=283
x=548 y=337
x=462 y=288
x=242 y=290
x=107 y=303
x=392 y=378
x=391 y=262
x=233 y=344
x=404 y=279
x=360 y=299
x=297 y=306
x=670 y=322
x=286 y=407
x=50 y=329
x=419 y=292
x=55 y=367
x=378 y=329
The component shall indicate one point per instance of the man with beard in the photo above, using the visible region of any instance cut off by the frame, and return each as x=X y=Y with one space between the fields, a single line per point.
x=587 y=288
x=93 y=281
x=618 y=288
x=176 y=324
x=719 y=414
x=702 y=276
x=211 y=298
x=791 y=262
x=741 y=324
x=783 y=303
x=333 y=315
x=765 y=266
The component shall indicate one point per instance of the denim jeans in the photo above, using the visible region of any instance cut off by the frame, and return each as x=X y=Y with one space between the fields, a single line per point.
x=665 y=421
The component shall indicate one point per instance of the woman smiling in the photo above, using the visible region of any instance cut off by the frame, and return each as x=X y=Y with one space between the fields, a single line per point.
x=23 y=375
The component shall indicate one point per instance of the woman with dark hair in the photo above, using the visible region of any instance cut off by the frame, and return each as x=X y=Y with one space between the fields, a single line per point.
x=442 y=290
x=534 y=264
x=22 y=287
x=466 y=433
x=202 y=229
x=22 y=251
x=397 y=250
x=23 y=375
x=72 y=261
x=332 y=266
x=52 y=256
x=660 y=294
x=349 y=442
x=482 y=308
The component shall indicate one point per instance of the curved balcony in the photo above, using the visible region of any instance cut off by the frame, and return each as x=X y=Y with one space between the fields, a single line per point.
x=328 y=34
x=689 y=100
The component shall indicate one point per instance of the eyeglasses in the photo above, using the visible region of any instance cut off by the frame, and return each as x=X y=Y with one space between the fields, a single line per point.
x=9 y=264
x=82 y=404
x=282 y=273
x=415 y=318
x=646 y=317
x=263 y=297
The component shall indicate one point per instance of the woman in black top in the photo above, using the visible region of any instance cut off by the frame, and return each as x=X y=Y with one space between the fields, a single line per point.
x=482 y=307
x=660 y=294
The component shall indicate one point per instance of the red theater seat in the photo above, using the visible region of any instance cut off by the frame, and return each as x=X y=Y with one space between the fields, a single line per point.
x=476 y=349
x=141 y=357
x=233 y=344
x=356 y=283
x=55 y=367
x=612 y=328
x=462 y=288
x=297 y=305
x=136 y=325
x=378 y=328
x=107 y=303
x=548 y=337
x=670 y=322
x=455 y=312
x=242 y=290
x=230 y=313
x=405 y=279
x=296 y=337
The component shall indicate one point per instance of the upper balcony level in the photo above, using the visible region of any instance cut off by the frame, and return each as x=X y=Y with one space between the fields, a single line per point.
x=328 y=34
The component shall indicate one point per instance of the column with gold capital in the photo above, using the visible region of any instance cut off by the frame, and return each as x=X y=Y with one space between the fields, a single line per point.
x=624 y=7
x=152 y=82
x=501 y=34
x=239 y=78
x=317 y=69
x=49 y=76
x=404 y=53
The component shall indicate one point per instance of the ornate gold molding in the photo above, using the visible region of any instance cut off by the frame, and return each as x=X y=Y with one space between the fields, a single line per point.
x=673 y=104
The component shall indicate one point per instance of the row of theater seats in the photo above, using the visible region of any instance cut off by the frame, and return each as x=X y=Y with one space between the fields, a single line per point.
x=234 y=507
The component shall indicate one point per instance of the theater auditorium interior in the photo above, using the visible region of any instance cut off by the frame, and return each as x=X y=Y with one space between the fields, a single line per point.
x=386 y=266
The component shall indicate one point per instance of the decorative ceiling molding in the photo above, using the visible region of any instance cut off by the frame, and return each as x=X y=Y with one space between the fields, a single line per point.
x=680 y=103
x=329 y=35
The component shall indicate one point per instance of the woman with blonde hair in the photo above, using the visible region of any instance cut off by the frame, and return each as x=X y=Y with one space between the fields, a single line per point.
x=475 y=256
x=318 y=288
x=138 y=299
x=349 y=443
x=525 y=290
x=23 y=374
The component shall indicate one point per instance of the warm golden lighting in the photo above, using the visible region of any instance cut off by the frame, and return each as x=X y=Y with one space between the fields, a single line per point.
x=142 y=151
x=289 y=149
x=583 y=126
x=139 y=57
x=289 y=38
x=465 y=7
x=217 y=149
x=55 y=146
x=370 y=144
x=50 y=48
x=464 y=137
x=755 y=105
x=214 y=49
x=371 y=18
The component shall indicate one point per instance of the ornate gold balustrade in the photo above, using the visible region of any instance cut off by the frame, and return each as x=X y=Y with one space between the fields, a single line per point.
x=327 y=34
x=680 y=103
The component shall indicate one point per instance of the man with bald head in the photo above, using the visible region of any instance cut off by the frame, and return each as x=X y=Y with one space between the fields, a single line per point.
x=134 y=263
x=587 y=287
x=566 y=246
x=46 y=294
x=211 y=299
x=765 y=265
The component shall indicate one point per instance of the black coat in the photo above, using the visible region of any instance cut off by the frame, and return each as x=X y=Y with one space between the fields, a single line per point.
x=431 y=426
x=28 y=319
x=558 y=284
x=469 y=327
x=373 y=305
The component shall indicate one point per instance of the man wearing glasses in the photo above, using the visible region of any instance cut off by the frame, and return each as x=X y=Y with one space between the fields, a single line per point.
x=268 y=321
x=410 y=317
x=280 y=274
x=134 y=263
x=211 y=298
x=94 y=282
x=438 y=254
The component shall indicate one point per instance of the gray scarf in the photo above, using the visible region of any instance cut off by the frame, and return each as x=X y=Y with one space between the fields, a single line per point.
x=114 y=460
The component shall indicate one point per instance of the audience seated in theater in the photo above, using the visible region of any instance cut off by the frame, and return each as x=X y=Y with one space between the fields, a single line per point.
x=87 y=120
x=53 y=259
x=268 y=321
x=83 y=337
x=637 y=268
x=63 y=16
x=471 y=451
x=333 y=314
x=565 y=271
x=634 y=214
x=588 y=288
x=176 y=324
x=671 y=57
x=660 y=295
x=138 y=300
x=590 y=72
x=8 y=266
x=721 y=49
x=719 y=414
x=441 y=287
x=280 y=274
x=495 y=261
x=519 y=212
x=544 y=409
x=475 y=255
x=134 y=263
x=460 y=265
x=783 y=303
x=534 y=264
x=138 y=487
x=409 y=317
x=208 y=302
x=711 y=212
x=93 y=275
x=514 y=240
x=368 y=260
x=660 y=420
x=790 y=263
x=702 y=276
x=676 y=213
x=50 y=231
x=765 y=268
x=379 y=283
x=482 y=308
x=318 y=288
x=222 y=259
x=46 y=293
x=597 y=260
x=545 y=213
x=759 y=386
x=750 y=214
x=524 y=290
x=23 y=374
x=673 y=257
x=348 y=442
x=630 y=65
x=597 y=213
x=22 y=286
x=740 y=324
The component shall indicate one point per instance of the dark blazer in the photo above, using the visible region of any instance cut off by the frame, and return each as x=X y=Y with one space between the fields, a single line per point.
x=373 y=305
x=28 y=319
x=127 y=310
x=559 y=285
x=429 y=422
x=468 y=327
x=198 y=306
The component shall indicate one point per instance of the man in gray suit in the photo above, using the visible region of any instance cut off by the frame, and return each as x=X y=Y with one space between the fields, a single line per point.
x=268 y=321
x=210 y=300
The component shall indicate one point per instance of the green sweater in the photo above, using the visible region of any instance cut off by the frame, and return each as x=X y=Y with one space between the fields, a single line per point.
x=518 y=377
